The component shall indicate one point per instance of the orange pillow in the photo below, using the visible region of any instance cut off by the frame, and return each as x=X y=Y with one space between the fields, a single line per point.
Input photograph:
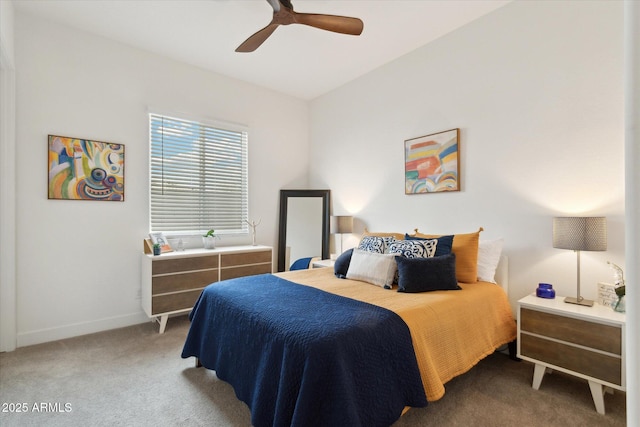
x=465 y=247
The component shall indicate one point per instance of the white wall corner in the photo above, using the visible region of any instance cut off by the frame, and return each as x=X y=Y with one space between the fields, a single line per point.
x=632 y=203
x=7 y=181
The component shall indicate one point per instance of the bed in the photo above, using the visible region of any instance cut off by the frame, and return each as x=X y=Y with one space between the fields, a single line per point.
x=306 y=347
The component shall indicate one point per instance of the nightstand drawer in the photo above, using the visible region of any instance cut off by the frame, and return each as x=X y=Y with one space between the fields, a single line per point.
x=582 y=332
x=597 y=365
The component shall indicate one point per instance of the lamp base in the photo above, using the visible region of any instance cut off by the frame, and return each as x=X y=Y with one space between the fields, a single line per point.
x=579 y=301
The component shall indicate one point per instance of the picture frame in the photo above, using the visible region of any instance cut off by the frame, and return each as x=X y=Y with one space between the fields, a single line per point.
x=607 y=294
x=432 y=163
x=158 y=238
x=84 y=169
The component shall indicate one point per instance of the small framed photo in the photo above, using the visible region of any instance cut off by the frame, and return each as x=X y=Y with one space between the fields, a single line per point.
x=607 y=294
x=160 y=239
x=432 y=163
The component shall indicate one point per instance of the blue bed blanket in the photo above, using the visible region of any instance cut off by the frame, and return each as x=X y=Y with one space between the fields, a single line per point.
x=299 y=356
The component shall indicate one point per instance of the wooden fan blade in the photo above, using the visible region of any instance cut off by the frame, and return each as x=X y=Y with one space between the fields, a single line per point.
x=254 y=42
x=337 y=24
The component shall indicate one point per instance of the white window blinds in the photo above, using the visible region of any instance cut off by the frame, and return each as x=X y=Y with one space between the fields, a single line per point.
x=198 y=177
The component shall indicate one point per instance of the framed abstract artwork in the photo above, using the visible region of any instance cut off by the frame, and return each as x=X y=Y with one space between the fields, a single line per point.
x=432 y=163
x=82 y=169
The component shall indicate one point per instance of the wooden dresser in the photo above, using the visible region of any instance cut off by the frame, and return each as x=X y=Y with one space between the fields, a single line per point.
x=587 y=342
x=172 y=282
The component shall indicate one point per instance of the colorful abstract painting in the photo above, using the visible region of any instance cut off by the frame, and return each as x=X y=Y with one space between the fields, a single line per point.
x=432 y=163
x=81 y=169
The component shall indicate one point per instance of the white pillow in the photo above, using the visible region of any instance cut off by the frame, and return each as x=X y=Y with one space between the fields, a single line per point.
x=489 y=252
x=377 y=269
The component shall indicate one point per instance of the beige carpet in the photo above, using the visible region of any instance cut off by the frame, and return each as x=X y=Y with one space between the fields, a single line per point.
x=135 y=377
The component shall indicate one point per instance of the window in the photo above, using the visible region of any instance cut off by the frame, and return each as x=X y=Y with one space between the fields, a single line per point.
x=198 y=176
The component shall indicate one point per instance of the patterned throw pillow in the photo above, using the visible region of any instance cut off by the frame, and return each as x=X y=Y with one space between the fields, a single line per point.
x=414 y=248
x=396 y=236
x=373 y=244
x=444 y=243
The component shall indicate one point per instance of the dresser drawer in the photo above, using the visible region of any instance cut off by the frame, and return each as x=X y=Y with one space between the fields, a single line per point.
x=181 y=282
x=255 y=257
x=245 y=270
x=184 y=264
x=173 y=302
x=582 y=332
x=597 y=365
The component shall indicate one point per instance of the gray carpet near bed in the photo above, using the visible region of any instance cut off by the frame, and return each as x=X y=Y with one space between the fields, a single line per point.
x=135 y=377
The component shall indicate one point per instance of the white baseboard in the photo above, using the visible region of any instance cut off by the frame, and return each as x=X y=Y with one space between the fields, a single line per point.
x=69 y=331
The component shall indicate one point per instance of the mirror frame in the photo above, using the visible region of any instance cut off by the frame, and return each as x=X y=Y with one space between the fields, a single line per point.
x=285 y=195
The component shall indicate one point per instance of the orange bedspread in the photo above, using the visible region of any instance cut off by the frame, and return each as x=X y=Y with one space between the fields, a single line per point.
x=451 y=330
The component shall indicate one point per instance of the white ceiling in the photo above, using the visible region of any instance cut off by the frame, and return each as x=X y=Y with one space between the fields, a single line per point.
x=297 y=60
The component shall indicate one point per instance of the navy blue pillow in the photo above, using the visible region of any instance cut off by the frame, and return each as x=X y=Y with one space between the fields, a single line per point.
x=301 y=264
x=445 y=243
x=341 y=266
x=427 y=274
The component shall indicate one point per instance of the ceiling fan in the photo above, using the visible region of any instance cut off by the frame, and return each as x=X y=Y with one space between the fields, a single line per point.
x=283 y=14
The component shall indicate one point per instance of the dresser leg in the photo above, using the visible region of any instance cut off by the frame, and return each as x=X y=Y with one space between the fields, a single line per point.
x=596 y=393
x=163 y=322
x=538 y=373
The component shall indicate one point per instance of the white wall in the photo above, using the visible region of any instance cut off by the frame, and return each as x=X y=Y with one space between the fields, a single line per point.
x=540 y=112
x=536 y=90
x=7 y=180
x=78 y=262
x=6 y=28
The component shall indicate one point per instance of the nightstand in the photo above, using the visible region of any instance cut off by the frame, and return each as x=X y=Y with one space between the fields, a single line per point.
x=587 y=342
x=322 y=263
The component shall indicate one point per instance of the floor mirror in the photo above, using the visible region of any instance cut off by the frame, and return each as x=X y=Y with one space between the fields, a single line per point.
x=304 y=226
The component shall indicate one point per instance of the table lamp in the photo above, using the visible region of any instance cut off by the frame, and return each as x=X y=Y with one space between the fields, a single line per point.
x=342 y=225
x=580 y=234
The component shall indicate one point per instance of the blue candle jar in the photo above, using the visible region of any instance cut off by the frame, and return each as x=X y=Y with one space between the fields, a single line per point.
x=545 y=290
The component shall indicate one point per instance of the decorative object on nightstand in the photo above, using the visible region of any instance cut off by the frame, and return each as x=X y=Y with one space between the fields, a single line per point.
x=341 y=225
x=156 y=249
x=588 y=343
x=607 y=295
x=545 y=290
x=580 y=234
x=619 y=287
x=323 y=263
